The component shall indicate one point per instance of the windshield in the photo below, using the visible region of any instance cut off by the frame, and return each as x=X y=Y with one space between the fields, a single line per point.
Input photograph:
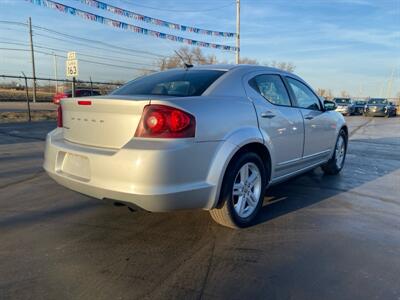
x=178 y=83
x=377 y=101
x=342 y=101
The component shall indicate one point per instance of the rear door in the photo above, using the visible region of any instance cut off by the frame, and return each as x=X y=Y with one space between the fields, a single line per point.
x=320 y=128
x=280 y=123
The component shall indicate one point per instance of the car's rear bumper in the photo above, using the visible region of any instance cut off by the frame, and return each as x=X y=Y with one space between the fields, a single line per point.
x=172 y=177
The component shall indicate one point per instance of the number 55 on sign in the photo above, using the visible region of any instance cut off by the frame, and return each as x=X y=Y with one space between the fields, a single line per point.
x=72 y=68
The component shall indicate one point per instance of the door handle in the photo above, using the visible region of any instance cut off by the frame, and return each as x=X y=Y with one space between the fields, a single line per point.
x=309 y=117
x=267 y=114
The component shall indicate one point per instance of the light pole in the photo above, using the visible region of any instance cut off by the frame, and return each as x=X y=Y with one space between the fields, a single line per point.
x=237 y=32
x=55 y=70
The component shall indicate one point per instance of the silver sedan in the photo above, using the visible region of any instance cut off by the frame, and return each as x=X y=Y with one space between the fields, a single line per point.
x=209 y=137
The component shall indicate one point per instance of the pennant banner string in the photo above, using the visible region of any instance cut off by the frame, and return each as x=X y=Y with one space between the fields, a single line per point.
x=118 y=24
x=154 y=21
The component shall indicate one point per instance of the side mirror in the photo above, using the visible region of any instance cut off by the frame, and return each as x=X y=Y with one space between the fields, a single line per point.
x=329 y=105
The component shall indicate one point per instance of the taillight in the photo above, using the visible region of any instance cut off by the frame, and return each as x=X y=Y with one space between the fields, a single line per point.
x=161 y=121
x=59 y=117
x=58 y=96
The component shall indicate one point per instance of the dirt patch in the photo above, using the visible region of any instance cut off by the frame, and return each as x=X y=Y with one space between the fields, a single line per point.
x=17 y=95
x=6 y=117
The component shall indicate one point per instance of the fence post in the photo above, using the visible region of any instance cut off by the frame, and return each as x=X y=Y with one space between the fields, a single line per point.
x=27 y=99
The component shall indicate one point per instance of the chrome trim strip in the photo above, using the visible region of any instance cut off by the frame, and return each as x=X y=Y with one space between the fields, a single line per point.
x=283 y=177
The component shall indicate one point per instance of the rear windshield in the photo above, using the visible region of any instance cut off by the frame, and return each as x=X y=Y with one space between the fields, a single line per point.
x=179 y=83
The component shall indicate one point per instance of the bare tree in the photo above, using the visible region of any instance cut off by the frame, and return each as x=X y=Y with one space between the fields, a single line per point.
x=286 y=66
x=249 y=61
x=326 y=93
x=344 y=94
x=192 y=56
x=195 y=56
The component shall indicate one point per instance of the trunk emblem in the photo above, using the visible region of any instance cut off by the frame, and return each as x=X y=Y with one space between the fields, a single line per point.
x=86 y=120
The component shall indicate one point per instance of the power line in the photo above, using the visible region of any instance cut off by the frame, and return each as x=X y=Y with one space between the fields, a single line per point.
x=154 y=21
x=80 y=53
x=74 y=37
x=82 y=39
x=176 y=10
x=126 y=26
x=93 y=47
x=83 y=60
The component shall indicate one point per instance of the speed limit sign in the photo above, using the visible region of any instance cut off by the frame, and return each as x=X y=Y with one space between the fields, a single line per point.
x=72 y=67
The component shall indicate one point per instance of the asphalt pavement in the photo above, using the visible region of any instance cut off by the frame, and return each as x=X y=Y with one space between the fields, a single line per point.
x=318 y=237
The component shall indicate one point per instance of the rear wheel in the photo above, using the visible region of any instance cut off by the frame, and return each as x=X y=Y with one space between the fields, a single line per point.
x=242 y=192
x=335 y=164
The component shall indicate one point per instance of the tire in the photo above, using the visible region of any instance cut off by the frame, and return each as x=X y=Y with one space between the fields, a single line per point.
x=334 y=165
x=240 y=210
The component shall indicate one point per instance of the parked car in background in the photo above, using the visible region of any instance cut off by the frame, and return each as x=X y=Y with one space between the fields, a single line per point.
x=359 y=106
x=380 y=107
x=344 y=106
x=78 y=93
x=208 y=137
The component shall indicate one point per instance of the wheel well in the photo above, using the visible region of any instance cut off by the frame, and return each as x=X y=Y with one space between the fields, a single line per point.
x=257 y=148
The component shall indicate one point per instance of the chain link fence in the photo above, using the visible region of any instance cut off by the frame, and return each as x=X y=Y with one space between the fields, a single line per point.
x=19 y=104
x=20 y=88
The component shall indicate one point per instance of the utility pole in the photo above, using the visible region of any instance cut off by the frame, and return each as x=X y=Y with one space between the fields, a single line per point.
x=55 y=70
x=33 y=59
x=237 y=31
x=390 y=83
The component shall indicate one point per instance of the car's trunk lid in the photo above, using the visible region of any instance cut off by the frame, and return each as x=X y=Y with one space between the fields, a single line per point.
x=107 y=121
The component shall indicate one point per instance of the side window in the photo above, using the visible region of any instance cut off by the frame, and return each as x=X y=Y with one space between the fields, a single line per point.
x=304 y=96
x=271 y=88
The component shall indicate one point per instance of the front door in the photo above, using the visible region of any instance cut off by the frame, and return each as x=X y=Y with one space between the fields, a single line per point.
x=319 y=128
x=280 y=123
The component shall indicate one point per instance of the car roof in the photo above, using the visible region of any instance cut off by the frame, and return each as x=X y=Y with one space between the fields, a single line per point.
x=243 y=67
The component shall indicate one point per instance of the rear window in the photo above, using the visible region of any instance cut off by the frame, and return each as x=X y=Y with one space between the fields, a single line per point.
x=177 y=83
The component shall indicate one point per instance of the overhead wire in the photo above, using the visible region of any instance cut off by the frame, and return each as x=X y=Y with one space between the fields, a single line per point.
x=80 y=53
x=177 y=10
x=82 y=60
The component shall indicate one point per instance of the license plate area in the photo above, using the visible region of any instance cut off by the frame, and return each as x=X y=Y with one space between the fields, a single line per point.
x=73 y=165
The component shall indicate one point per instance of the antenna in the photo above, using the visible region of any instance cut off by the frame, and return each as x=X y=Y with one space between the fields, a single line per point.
x=187 y=66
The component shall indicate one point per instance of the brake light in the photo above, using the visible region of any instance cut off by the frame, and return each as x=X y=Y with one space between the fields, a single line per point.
x=161 y=121
x=59 y=117
x=84 y=102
